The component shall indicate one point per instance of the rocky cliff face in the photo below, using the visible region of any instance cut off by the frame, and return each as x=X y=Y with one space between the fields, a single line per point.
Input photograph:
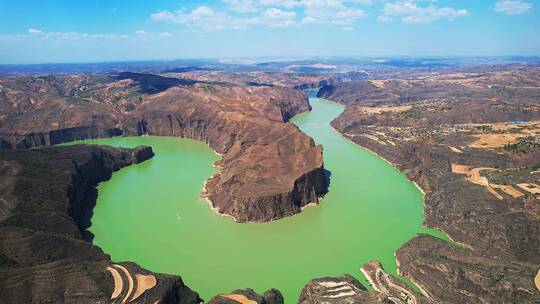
x=344 y=289
x=474 y=170
x=271 y=296
x=452 y=274
x=46 y=201
x=269 y=168
x=466 y=211
x=510 y=83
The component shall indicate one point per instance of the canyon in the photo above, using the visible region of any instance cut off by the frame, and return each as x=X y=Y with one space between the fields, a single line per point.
x=268 y=168
x=160 y=197
x=467 y=136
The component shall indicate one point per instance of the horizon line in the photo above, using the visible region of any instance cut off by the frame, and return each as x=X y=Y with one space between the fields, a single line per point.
x=293 y=58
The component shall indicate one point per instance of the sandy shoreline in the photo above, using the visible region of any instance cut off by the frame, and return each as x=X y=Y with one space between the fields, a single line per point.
x=310 y=205
x=203 y=195
x=418 y=285
x=216 y=210
x=379 y=156
x=414 y=183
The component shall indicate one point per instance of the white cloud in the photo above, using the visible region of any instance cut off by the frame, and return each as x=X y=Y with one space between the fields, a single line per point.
x=34 y=31
x=280 y=3
x=163 y=16
x=242 y=6
x=384 y=18
x=144 y=35
x=273 y=13
x=182 y=16
x=330 y=12
x=202 y=12
x=411 y=13
x=309 y=20
x=275 y=17
x=78 y=36
x=204 y=18
x=512 y=7
x=165 y=35
x=359 y=1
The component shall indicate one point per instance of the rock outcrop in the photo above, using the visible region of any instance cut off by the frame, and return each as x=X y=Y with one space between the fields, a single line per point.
x=46 y=201
x=344 y=289
x=269 y=168
x=391 y=289
x=503 y=83
x=249 y=296
x=453 y=274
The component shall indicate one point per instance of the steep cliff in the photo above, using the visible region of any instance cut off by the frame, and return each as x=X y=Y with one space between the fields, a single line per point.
x=474 y=170
x=337 y=290
x=46 y=201
x=269 y=169
x=271 y=296
x=452 y=274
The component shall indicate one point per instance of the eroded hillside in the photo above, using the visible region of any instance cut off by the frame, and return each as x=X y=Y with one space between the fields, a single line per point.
x=269 y=169
x=472 y=143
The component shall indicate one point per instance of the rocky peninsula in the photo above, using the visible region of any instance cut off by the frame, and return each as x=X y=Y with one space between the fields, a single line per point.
x=269 y=169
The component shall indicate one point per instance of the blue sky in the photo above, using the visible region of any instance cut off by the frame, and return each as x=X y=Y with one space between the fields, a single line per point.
x=35 y=31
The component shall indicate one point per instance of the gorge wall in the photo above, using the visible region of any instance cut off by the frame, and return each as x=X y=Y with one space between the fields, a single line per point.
x=472 y=168
x=46 y=201
x=269 y=169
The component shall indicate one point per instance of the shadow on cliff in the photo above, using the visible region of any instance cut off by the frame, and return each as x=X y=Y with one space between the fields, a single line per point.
x=152 y=84
x=84 y=220
x=327 y=178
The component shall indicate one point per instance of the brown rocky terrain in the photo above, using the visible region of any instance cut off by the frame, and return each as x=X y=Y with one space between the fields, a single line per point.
x=469 y=139
x=292 y=80
x=454 y=274
x=346 y=289
x=46 y=201
x=249 y=296
x=390 y=288
x=519 y=84
x=477 y=161
x=269 y=169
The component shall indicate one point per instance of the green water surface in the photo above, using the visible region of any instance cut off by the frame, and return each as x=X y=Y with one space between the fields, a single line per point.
x=151 y=213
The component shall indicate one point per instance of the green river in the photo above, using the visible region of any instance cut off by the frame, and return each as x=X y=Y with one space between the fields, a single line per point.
x=151 y=213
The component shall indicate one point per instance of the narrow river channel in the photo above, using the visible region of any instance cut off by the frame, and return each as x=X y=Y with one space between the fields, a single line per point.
x=151 y=214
